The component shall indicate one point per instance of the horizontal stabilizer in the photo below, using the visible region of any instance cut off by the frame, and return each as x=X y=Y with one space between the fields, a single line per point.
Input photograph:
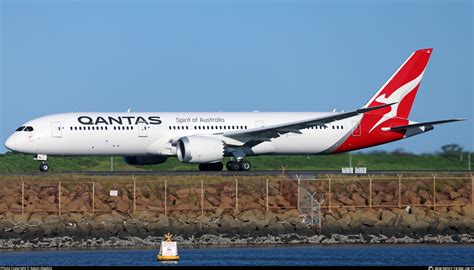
x=424 y=124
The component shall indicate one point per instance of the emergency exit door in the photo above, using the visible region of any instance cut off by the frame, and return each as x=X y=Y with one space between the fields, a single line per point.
x=56 y=131
x=142 y=130
x=259 y=124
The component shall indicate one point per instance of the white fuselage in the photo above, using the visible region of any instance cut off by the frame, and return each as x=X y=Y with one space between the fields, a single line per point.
x=134 y=134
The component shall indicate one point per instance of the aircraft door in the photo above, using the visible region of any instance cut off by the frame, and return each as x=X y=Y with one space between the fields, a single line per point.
x=56 y=131
x=142 y=130
x=357 y=129
x=259 y=124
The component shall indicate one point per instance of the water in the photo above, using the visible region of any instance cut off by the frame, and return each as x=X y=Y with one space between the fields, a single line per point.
x=327 y=255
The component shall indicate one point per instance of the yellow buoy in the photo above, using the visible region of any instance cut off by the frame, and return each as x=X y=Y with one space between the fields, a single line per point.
x=168 y=250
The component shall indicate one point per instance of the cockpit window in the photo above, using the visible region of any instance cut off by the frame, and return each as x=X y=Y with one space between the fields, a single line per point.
x=28 y=129
x=20 y=128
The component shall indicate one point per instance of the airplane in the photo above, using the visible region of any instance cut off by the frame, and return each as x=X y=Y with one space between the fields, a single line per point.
x=205 y=138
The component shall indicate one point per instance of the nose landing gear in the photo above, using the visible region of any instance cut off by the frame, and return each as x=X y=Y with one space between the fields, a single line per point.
x=44 y=167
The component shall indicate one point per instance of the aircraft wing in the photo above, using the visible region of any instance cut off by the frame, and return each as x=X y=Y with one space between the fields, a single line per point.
x=253 y=136
x=428 y=125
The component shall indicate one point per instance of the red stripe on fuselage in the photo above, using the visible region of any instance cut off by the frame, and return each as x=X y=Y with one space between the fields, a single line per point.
x=376 y=137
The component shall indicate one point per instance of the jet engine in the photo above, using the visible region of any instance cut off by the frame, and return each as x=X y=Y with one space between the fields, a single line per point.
x=199 y=149
x=144 y=160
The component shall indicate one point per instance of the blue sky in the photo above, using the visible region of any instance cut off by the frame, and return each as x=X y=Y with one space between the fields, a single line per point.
x=62 y=56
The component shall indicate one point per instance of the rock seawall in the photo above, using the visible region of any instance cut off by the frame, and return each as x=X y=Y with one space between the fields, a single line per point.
x=39 y=230
x=252 y=210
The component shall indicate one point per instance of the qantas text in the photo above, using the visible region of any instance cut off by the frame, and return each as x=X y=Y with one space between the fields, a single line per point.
x=120 y=120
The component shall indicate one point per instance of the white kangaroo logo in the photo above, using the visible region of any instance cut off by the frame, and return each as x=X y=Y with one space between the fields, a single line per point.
x=397 y=96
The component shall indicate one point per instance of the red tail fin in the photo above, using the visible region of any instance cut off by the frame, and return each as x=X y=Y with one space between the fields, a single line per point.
x=401 y=87
x=400 y=90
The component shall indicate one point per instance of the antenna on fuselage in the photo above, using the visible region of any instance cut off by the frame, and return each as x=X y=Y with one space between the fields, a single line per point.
x=128 y=110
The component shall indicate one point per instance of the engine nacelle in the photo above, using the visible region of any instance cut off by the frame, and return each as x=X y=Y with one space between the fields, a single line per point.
x=144 y=160
x=199 y=149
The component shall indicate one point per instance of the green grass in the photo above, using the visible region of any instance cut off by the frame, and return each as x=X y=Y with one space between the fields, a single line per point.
x=11 y=162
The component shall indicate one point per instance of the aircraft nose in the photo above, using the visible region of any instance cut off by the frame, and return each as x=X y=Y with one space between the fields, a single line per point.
x=11 y=143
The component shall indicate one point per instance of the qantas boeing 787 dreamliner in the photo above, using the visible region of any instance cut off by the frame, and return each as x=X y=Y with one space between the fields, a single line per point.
x=206 y=138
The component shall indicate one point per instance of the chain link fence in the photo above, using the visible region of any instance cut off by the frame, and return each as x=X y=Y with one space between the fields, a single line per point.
x=221 y=195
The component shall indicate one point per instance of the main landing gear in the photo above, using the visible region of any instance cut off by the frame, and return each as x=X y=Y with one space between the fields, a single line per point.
x=233 y=165
x=241 y=165
x=44 y=167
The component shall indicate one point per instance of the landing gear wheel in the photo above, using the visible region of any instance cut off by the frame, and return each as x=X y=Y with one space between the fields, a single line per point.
x=245 y=165
x=227 y=165
x=234 y=166
x=44 y=167
x=218 y=166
